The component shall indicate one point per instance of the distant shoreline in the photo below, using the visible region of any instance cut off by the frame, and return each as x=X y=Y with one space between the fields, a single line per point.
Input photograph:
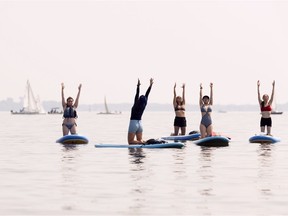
x=9 y=104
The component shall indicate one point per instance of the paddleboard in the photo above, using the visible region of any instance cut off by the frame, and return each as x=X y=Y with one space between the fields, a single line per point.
x=158 y=145
x=213 y=141
x=73 y=139
x=265 y=139
x=183 y=137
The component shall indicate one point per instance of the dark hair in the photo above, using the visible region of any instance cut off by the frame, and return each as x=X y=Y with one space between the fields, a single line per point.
x=262 y=104
x=205 y=96
x=142 y=100
x=180 y=102
x=69 y=98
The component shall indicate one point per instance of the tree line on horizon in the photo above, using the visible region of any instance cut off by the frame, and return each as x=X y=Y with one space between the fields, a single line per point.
x=10 y=104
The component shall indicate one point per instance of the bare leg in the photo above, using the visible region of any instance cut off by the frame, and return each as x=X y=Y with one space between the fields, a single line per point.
x=176 y=130
x=183 y=130
x=202 y=130
x=131 y=138
x=73 y=130
x=269 y=131
x=209 y=130
x=139 y=137
x=262 y=129
x=65 y=130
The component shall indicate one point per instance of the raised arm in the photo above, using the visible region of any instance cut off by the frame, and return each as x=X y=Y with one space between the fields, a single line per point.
x=174 y=96
x=272 y=94
x=78 y=95
x=149 y=88
x=211 y=94
x=200 y=96
x=183 y=93
x=258 y=92
x=137 y=91
x=62 y=95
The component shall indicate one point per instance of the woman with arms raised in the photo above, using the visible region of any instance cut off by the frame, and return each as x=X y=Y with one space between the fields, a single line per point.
x=135 y=125
x=70 y=114
x=265 y=107
x=179 y=108
x=205 y=104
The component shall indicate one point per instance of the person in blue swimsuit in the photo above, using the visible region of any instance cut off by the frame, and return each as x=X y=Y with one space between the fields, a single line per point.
x=135 y=124
x=179 y=107
x=206 y=103
x=69 y=114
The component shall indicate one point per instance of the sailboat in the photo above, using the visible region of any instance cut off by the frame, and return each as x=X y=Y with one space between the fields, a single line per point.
x=55 y=110
x=31 y=104
x=276 y=112
x=274 y=108
x=107 y=109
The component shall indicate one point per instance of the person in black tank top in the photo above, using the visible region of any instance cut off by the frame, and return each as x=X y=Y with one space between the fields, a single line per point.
x=137 y=110
x=69 y=114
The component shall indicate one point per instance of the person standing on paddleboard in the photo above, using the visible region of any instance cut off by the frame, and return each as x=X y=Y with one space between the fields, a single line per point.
x=265 y=107
x=205 y=104
x=70 y=114
x=135 y=124
x=179 y=108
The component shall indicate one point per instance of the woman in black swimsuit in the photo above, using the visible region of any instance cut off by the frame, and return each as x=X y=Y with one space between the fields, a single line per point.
x=179 y=107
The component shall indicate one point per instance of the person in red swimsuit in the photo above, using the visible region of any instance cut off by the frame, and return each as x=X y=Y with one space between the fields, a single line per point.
x=265 y=107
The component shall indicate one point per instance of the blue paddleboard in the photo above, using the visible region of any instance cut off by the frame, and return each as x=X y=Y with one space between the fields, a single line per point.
x=261 y=138
x=161 y=145
x=183 y=137
x=73 y=139
x=213 y=141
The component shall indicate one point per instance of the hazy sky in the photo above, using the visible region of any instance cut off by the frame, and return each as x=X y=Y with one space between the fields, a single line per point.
x=108 y=45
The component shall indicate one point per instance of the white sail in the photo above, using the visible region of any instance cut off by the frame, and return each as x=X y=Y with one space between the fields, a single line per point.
x=31 y=105
x=274 y=107
x=106 y=106
x=40 y=108
x=107 y=109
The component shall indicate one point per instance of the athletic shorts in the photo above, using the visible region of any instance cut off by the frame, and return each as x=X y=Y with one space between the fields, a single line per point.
x=180 y=121
x=266 y=122
x=135 y=126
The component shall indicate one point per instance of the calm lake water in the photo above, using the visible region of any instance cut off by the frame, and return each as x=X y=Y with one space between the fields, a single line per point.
x=41 y=177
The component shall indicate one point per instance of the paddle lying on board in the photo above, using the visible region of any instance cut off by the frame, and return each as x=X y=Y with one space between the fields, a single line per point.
x=183 y=137
x=156 y=145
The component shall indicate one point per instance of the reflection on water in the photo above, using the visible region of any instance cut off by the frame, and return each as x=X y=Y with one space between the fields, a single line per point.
x=179 y=161
x=137 y=155
x=69 y=147
x=265 y=152
x=70 y=178
x=205 y=170
x=138 y=177
x=265 y=170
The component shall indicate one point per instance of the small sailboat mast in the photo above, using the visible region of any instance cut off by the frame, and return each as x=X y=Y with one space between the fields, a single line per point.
x=107 y=111
x=106 y=106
